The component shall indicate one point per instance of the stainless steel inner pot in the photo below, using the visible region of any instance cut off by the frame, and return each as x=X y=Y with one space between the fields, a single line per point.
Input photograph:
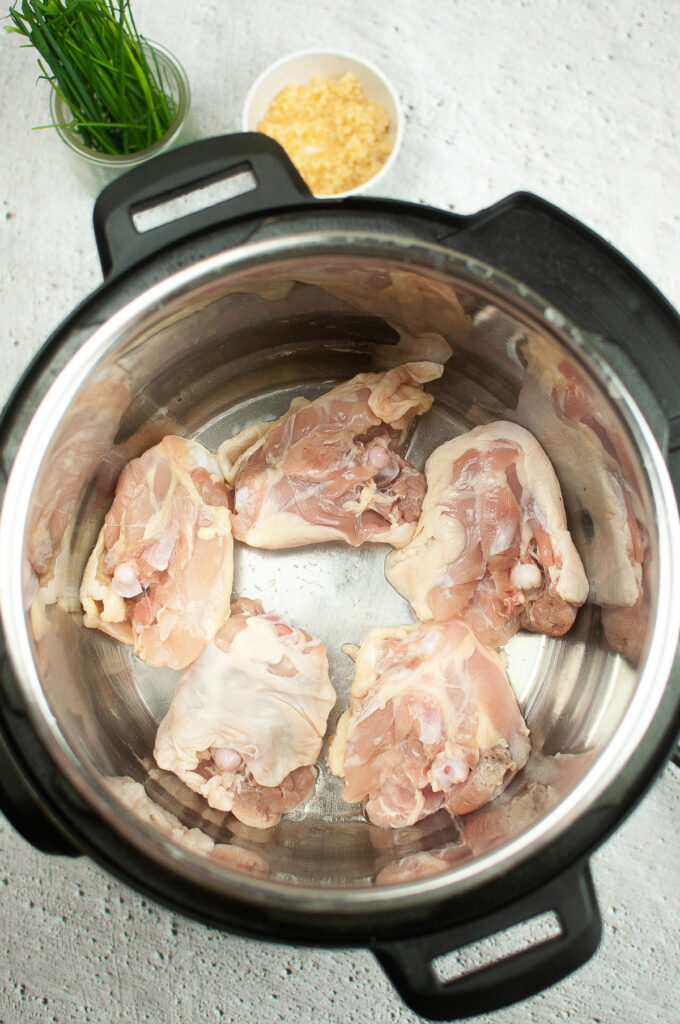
x=229 y=341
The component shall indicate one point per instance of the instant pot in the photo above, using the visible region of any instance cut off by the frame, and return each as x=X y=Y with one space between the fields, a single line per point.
x=216 y=318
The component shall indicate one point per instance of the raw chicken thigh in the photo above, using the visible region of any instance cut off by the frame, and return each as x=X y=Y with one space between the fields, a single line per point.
x=247 y=719
x=134 y=796
x=423 y=864
x=625 y=628
x=160 y=575
x=584 y=441
x=587 y=446
x=492 y=544
x=432 y=723
x=424 y=310
x=329 y=469
x=83 y=450
x=415 y=304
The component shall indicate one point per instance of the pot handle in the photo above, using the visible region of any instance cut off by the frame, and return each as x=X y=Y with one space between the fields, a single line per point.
x=273 y=183
x=409 y=963
x=593 y=284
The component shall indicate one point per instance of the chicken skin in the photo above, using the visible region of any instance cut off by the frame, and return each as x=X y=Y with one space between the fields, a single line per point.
x=247 y=719
x=160 y=575
x=330 y=469
x=432 y=723
x=492 y=544
x=586 y=445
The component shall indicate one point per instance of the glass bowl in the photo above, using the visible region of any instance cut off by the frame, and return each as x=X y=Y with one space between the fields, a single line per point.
x=96 y=170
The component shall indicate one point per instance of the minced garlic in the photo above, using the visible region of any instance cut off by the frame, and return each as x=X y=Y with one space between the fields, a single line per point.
x=336 y=137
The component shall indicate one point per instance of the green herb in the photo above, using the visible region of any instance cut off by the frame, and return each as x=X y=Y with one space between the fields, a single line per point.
x=104 y=71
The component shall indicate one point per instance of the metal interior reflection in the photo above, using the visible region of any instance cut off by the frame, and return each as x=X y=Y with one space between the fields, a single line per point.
x=236 y=350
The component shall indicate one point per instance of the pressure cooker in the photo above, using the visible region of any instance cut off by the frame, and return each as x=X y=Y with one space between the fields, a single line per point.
x=212 y=317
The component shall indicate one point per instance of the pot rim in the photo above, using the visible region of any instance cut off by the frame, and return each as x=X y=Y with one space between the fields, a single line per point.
x=525 y=304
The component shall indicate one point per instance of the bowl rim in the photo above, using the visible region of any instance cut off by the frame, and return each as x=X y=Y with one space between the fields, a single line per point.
x=182 y=93
x=397 y=128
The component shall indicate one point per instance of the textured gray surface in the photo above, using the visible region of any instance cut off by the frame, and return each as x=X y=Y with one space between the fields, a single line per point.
x=78 y=947
x=577 y=103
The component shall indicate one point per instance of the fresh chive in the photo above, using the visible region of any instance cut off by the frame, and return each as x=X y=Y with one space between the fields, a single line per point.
x=104 y=71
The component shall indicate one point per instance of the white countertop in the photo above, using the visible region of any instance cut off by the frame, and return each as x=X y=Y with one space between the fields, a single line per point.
x=577 y=103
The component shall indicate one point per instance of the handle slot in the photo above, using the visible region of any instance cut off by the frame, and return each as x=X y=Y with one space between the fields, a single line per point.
x=500 y=946
x=150 y=216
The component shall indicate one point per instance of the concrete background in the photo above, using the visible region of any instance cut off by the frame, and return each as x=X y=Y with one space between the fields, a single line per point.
x=578 y=103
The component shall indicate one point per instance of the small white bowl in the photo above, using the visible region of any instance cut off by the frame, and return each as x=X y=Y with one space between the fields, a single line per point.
x=300 y=68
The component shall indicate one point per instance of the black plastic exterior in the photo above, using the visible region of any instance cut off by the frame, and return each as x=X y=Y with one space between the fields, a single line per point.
x=409 y=965
x=22 y=804
x=189 y=168
x=588 y=281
